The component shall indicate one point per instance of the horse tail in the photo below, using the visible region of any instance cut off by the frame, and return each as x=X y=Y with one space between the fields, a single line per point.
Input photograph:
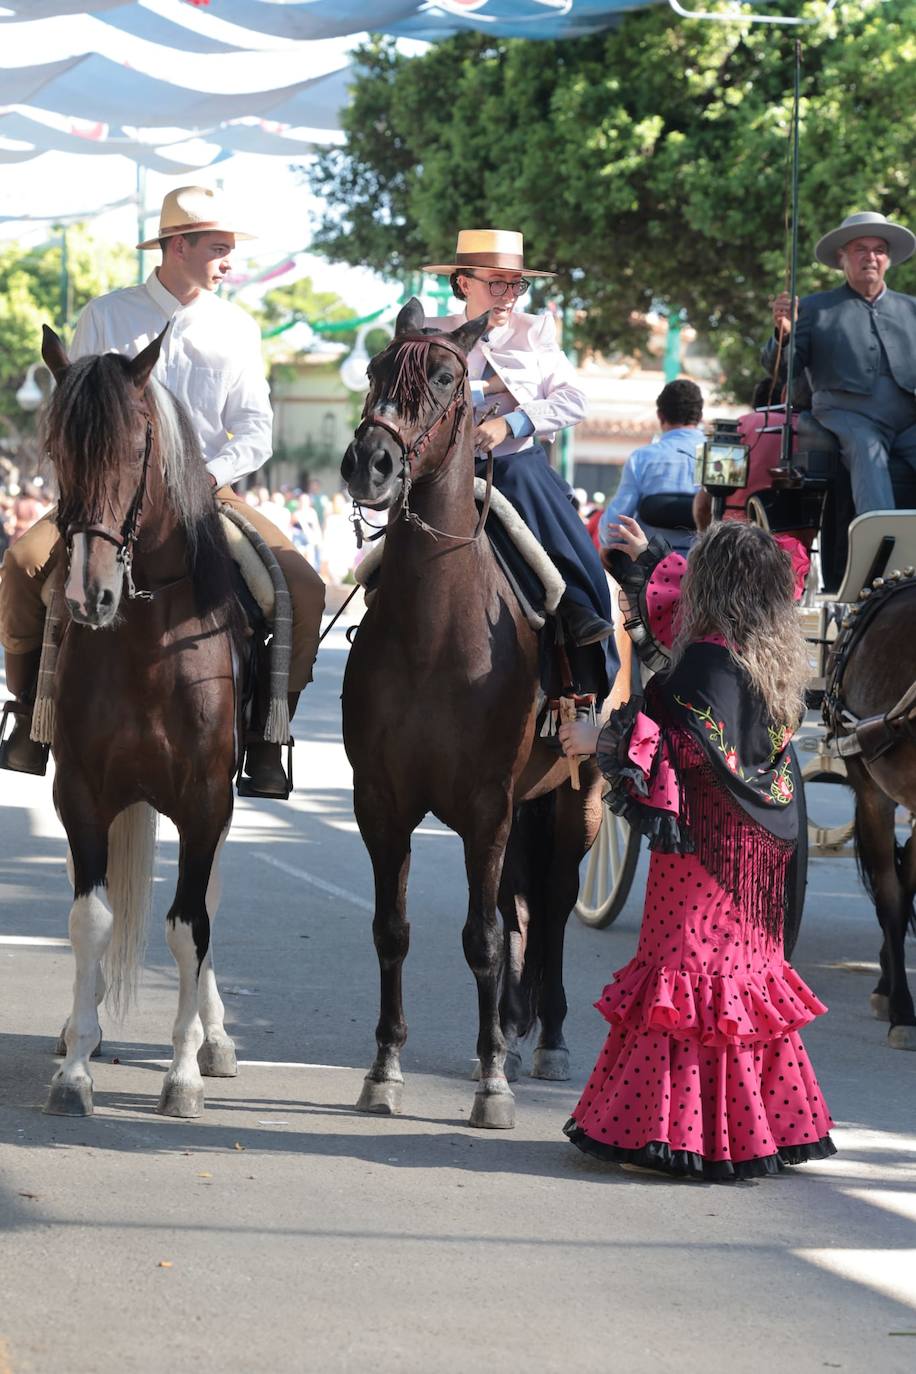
x=534 y=851
x=131 y=852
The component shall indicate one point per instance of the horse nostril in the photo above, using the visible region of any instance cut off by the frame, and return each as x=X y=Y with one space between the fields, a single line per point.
x=381 y=464
x=348 y=465
x=106 y=599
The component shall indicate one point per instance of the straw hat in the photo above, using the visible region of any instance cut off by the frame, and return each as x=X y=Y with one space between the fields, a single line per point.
x=193 y=210
x=501 y=248
x=866 y=224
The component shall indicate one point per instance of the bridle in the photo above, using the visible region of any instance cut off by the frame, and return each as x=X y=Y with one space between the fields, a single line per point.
x=125 y=539
x=411 y=451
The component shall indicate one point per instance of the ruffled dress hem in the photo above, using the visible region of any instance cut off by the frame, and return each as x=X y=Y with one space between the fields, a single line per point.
x=716 y=1009
x=658 y=1156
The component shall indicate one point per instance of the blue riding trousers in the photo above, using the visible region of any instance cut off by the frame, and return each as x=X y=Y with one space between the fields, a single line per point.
x=541 y=498
x=870 y=429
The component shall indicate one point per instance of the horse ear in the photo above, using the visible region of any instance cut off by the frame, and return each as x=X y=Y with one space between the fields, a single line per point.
x=53 y=353
x=140 y=368
x=411 y=318
x=469 y=333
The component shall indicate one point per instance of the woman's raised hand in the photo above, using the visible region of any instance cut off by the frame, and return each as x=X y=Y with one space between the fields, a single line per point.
x=627 y=537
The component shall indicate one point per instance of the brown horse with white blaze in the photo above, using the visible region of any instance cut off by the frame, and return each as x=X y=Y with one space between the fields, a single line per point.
x=145 y=702
x=439 y=706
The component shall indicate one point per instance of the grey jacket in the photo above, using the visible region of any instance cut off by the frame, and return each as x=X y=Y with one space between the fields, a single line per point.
x=837 y=337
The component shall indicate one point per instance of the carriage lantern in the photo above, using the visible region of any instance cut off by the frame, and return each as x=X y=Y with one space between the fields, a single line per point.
x=722 y=461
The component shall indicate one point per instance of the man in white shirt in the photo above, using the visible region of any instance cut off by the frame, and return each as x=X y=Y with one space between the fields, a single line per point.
x=519 y=369
x=211 y=361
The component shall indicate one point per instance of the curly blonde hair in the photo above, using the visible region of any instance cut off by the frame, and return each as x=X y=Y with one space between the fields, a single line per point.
x=740 y=584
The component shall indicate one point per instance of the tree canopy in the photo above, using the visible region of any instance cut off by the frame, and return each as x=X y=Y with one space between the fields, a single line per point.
x=647 y=166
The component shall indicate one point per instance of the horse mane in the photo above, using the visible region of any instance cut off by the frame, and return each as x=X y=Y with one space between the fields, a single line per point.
x=409 y=388
x=88 y=426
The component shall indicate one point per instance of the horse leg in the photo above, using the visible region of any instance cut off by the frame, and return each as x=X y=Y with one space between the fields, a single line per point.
x=878 y=1001
x=876 y=850
x=576 y=821
x=514 y=908
x=60 y=1049
x=91 y=925
x=484 y=849
x=216 y=1056
x=188 y=936
x=387 y=838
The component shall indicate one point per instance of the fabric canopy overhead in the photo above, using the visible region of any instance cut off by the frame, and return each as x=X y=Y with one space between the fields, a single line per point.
x=314 y=19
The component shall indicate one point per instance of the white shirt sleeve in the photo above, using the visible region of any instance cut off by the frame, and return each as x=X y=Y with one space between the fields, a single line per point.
x=87 y=336
x=247 y=417
x=562 y=402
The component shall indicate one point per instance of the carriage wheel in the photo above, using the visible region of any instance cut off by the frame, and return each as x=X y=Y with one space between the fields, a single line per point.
x=609 y=869
x=798 y=873
x=824 y=840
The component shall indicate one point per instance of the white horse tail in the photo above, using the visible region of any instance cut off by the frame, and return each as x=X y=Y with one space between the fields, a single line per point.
x=131 y=853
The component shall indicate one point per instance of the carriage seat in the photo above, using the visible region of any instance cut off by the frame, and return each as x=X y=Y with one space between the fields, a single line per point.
x=525 y=545
x=880 y=542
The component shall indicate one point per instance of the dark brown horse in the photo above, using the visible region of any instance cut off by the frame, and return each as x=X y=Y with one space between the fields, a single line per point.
x=439 y=705
x=878 y=671
x=145 y=702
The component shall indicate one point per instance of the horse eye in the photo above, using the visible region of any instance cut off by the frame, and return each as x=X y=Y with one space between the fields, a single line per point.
x=444 y=379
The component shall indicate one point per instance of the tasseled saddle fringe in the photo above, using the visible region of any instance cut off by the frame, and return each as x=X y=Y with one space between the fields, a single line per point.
x=276 y=728
x=44 y=713
x=745 y=859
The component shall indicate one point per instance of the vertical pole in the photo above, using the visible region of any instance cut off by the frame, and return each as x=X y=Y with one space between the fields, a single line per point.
x=785 y=452
x=565 y=442
x=64 y=279
x=141 y=219
x=672 y=359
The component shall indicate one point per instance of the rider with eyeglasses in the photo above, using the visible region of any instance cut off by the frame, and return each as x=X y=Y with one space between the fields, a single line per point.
x=525 y=391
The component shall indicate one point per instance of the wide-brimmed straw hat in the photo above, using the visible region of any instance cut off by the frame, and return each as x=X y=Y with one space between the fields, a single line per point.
x=498 y=248
x=866 y=224
x=194 y=210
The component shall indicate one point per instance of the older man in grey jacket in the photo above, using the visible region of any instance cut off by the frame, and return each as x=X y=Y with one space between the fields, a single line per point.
x=858 y=346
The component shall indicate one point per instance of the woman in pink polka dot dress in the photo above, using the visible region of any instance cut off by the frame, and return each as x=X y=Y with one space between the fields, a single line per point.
x=703 y=1073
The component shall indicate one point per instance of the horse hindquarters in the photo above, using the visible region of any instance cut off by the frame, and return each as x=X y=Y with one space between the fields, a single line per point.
x=888 y=872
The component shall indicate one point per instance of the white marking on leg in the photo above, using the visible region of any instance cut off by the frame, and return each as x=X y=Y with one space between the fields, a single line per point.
x=90 y=933
x=187 y=1032
x=212 y=1011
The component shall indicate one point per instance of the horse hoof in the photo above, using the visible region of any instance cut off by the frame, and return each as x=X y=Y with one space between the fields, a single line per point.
x=902 y=1037
x=70 y=1099
x=381 y=1099
x=551 y=1064
x=880 y=1006
x=513 y=1066
x=181 y=1099
x=60 y=1049
x=493 y=1111
x=216 y=1059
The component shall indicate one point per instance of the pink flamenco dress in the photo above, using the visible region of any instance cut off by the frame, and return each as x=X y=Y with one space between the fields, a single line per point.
x=703 y=1073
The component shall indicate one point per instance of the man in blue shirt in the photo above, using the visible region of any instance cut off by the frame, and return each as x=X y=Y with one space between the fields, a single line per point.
x=667 y=465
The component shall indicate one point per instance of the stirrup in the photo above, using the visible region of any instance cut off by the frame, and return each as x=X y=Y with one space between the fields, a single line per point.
x=36 y=762
x=246 y=786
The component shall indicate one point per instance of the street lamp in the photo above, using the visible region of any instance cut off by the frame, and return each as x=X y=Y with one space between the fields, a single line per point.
x=30 y=395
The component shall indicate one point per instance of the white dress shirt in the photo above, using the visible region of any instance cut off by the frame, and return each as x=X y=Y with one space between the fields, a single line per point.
x=210 y=360
x=540 y=380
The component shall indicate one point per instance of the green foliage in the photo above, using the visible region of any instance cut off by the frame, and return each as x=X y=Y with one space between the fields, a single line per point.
x=648 y=166
x=299 y=301
x=34 y=290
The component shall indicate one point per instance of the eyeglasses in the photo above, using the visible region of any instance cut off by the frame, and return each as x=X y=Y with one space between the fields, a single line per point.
x=499 y=287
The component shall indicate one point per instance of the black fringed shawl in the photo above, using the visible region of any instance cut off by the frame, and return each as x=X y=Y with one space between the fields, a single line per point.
x=735 y=776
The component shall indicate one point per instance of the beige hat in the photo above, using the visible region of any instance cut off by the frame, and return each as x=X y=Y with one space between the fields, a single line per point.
x=502 y=248
x=866 y=224
x=193 y=210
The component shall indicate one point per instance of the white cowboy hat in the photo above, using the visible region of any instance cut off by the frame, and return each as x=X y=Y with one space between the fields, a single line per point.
x=866 y=224
x=193 y=210
x=500 y=248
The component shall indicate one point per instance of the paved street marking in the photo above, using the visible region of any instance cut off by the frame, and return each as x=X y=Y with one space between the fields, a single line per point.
x=330 y=888
x=50 y=940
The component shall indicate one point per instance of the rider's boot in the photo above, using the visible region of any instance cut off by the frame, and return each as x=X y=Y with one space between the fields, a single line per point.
x=264 y=767
x=582 y=625
x=20 y=753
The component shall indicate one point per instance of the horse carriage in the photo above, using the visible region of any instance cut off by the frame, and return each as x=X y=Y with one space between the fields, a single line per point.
x=810 y=498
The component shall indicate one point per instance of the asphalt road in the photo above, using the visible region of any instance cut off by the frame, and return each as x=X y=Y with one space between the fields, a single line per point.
x=282 y=1231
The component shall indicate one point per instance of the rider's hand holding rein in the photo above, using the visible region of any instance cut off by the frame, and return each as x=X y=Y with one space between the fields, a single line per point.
x=489 y=434
x=628 y=537
x=782 y=317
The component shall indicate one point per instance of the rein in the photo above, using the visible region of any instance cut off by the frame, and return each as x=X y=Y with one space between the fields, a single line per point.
x=875 y=735
x=124 y=540
x=410 y=452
